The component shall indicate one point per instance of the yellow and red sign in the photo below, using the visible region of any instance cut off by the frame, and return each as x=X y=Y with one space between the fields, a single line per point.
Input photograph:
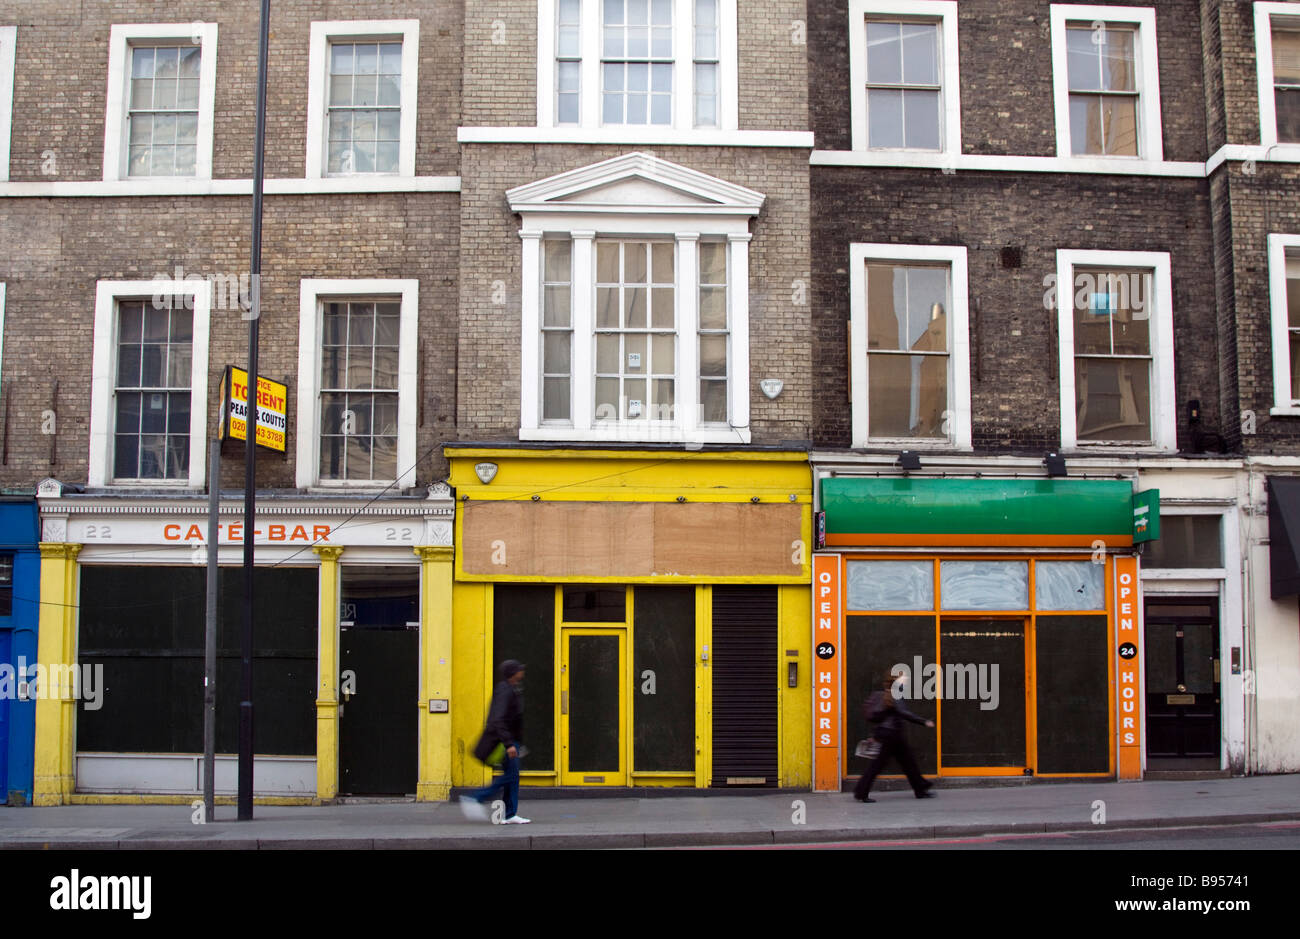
x=1128 y=656
x=272 y=409
x=826 y=672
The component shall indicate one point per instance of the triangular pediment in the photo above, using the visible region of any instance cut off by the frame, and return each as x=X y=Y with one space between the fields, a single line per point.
x=635 y=182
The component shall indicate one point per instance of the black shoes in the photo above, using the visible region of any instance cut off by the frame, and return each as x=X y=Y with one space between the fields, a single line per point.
x=868 y=799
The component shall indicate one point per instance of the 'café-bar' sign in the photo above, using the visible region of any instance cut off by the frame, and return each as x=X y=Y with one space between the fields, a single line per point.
x=272 y=401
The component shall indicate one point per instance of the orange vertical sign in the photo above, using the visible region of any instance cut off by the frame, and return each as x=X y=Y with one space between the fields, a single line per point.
x=1128 y=655
x=826 y=672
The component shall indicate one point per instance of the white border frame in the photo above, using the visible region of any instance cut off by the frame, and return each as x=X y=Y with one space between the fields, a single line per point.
x=8 y=56
x=1146 y=70
x=589 y=31
x=1164 y=412
x=945 y=12
x=310 y=324
x=322 y=32
x=115 y=122
x=959 y=405
x=104 y=373
x=1283 y=251
x=1264 y=13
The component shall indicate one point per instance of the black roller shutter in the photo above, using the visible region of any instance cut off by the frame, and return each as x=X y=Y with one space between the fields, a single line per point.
x=744 y=686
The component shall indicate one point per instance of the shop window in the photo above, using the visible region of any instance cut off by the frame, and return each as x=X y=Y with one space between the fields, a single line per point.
x=984 y=585
x=1069 y=585
x=161 y=99
x=1106 y=82
x=1115 y=317
x=6 y=584
x=1277 y=60
x=1072 y=693
x=629 y=63
x=1186 y=541
x=523 y=629
x=594 y=605
x=663 y=671
x=357 y=366
x=909 y=346
x=873 y=646
x=361 y=98
x=891 y=585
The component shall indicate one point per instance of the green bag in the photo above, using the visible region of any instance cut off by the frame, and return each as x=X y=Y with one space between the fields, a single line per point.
x=497 y=756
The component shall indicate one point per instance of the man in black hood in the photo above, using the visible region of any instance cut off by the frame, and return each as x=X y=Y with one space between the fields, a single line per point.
x=505 y=727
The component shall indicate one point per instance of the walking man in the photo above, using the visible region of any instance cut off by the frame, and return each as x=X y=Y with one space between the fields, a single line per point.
x=505 y=726
x=888 y=716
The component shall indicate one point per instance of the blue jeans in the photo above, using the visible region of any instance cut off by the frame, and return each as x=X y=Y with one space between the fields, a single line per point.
x=508 y=780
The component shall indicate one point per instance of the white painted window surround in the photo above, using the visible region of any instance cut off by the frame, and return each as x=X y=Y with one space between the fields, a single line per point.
x=322 y=34
x=312 y=294
x=942 y=12
x=2 y=328
x=1150 y=137
x=121 y=37
x=959 y=416
x=1268 y=16
x=103 y=377
x=589 y=40
x=1283 y=265
x=1164 y=426
x=635 y=196
x=8 y=55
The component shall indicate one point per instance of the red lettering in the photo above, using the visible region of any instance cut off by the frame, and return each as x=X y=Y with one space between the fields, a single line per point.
x=275 y=533
x=236 y=532
x=320 y=533
x=167 y=532
x=194 y=534
x=299 y=534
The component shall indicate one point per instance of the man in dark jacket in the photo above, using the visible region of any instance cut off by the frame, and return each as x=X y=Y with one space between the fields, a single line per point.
x=888 y=715
x=505 y=726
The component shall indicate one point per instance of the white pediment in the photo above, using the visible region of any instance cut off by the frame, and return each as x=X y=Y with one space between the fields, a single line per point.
x=635 y=182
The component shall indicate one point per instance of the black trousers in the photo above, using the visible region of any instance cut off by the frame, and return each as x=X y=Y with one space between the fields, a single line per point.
x=897 y=748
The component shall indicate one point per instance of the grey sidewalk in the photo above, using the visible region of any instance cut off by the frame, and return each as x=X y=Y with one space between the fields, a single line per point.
x=665 y=822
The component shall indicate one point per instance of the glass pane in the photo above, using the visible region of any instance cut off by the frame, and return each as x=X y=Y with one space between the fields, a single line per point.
x=662 y=314
x=128 y=412
x=523 y=629
x=607 y=400
x=1112 y=311
x=890 y=585
x=873 y=647
x=555 y=357
x=713 y=402
x=385 y=415
x=1119 y=125
x=713 y=356
x=141 y=93
x=1117 y=60
x=634 y=307
x=607 y=354
x=920 y=53
x=662 y=399
x=341 y=90
x=664 y=645
x=142 y=63
x=583 y=604
x=1113 y=399
x=921 y=119
x=1085 y=124
x=713 y=262
x=634 y=263
x=151 y=366
x=1160 y=650
x=1186 y=541
x=984 y=585
x=341 y=57
x=884 y=53
x=662 y=263
x=1286 y=56
x=885 y=117
x=390 y=58
x=390 y=91
x=555 y=404
x=165 y=63
x=983 y=707
x=385 y=375
x=1069 y=585
x=634 y=394
x=607 y=262
x=664 y=359
x=634 y=351
x=607 y=300
x=567 y=112
x=558 y=261
x=713 y=308
x=907 y=395
x=1083 y=60
x=558 y=306
x=593 y=704
x=1198 y=658
x=128 y=365
x=1288 y=115
x=388 y=324
x=126 y=456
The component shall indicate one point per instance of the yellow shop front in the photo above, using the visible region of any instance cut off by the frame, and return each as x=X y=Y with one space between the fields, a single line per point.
x=659 y=601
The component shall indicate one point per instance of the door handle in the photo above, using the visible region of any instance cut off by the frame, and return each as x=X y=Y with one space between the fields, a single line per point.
x=564 y=702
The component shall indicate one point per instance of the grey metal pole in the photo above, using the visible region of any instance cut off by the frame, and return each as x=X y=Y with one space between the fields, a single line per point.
x=210 y=639
x=250 y=441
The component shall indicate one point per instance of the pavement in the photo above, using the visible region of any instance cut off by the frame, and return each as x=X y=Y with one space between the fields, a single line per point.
x=687 y=820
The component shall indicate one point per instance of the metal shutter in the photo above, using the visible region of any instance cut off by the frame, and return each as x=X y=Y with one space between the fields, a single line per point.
x=744 y=686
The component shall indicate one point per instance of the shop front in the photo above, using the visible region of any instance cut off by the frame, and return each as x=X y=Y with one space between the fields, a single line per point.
x=350 y=600
x=659 y=601
x=1010 y=605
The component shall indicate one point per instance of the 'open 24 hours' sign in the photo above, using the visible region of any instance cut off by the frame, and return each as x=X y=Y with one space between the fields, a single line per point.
x=272 y=404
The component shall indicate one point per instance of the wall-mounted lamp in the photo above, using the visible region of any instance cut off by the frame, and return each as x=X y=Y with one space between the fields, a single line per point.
x=486 y=472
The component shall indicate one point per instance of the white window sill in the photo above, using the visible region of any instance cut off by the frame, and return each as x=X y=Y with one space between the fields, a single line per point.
x=666 y=434
x=1118 y=166
x=1292 y=411
x=638 y=136
x=191 y=186
x=920 y=444
x=1115 y=449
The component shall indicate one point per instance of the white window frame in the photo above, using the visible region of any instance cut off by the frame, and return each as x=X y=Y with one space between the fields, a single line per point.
x=1164 y=413
x=322 y=34
x=1264 y=14
x=589 y=36
x=1283 y=259
x=103 y=379
x=1146 y=72
x=119 y=79
x=8 y=56
x=312 y=293
x=959 y=416
x=2 y=329
x=944 y=12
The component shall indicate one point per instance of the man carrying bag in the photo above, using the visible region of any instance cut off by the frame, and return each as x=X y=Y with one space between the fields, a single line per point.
x=503 y=732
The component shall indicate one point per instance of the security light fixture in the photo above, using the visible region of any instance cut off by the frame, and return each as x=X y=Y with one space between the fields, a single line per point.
x=1055 y=464
x=909 y=460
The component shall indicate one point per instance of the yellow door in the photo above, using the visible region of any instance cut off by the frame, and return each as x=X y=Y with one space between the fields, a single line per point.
x=593 y=706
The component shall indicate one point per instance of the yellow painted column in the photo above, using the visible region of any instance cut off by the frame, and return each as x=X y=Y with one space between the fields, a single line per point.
x=794 y=612
x=56 y=729
x=327 y=685
x=434 y=784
